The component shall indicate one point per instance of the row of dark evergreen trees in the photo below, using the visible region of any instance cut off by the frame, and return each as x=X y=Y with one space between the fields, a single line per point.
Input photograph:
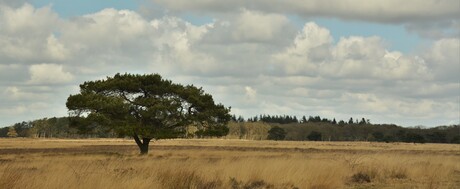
x=287 y=119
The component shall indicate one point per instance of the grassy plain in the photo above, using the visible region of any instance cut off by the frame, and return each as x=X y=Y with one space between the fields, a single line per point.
x=232 y=164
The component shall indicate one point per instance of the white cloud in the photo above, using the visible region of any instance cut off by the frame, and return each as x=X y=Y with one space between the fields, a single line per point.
x=56 y=49
x=356 y=47
x=252 y=59
x=253 y=26
x=24 y=32
x=444 y=59
x=49 y=74
x=311 y=44
x=392 y=107
x=174 y=41
x=25 y=19
x=313 y=53
x=107 y=29
x=251 y=94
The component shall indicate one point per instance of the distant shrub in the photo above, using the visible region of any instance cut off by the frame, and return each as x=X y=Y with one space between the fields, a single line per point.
x=315 y=136
x=361 y=177
x=414 y=137
x=252 y=184
x=455 y=139
x=378 y=136
x=276 y=133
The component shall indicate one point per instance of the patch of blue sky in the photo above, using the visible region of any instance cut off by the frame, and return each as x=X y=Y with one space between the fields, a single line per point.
x=68 y=9
x=395 y=36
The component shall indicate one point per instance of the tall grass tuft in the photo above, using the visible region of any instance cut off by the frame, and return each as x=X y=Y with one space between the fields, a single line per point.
x=186 y=179
x=10 y=177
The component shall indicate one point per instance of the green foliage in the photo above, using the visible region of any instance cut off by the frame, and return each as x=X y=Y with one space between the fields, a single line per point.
x=315 y=136
x=350 y=121
x=362 y=122
x=23 y=128
x=371 y=132
x=276 y=133
x=437 y=137
x=378 y=136
x=455 y=139
x=4 y=131
x=282 y=119
x=218 y=131
x=414 y=137
x=147 y=106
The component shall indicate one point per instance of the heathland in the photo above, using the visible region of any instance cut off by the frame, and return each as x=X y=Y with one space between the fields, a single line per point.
x=226 y=163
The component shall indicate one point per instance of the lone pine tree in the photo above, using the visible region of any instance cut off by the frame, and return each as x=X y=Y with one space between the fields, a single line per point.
x=147 y=107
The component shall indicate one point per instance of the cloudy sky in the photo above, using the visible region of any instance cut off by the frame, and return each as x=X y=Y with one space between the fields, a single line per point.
x=391 y=61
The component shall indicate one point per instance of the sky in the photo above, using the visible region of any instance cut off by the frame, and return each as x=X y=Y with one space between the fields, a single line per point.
x=390 y=61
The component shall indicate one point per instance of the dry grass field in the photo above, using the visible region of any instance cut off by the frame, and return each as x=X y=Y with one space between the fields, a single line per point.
x=232 y=164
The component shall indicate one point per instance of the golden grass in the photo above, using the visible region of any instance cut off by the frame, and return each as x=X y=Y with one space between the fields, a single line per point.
x=232 y=164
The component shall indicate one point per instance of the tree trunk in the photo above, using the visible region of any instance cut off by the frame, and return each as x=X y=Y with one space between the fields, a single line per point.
x=143 y=145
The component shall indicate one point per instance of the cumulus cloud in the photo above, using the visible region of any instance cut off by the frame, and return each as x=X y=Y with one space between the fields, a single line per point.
x=312 y=43
x=49 y=74
x=253 y=59
x=56 y=49
x=314 y=53
x=25 y=31
x=106 y=28
x=255 y=26
x=444 y=59
x=175 y=51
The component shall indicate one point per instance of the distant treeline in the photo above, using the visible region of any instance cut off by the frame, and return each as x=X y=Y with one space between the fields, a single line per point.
x=262 y=127
x=286 y=119
x=370 y=132
x=55 y=128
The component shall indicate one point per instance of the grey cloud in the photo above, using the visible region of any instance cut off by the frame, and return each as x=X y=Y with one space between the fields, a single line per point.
x=13 y=74
x=435 y=30
x=12 y=3
x=427 y=18
x=385 y=11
